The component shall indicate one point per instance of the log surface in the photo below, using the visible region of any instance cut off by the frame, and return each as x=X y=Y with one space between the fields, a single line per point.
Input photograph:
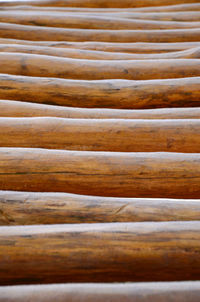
x=161 y=175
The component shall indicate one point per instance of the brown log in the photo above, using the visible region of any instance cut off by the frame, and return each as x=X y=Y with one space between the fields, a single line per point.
x=22 y=109
x=158 y=175
x=120 y=135
x=184 y=15
x=26 y=208
x=27 y=32
x=193 y=53
x=169 y=8
x=107 y=94
x=133 y=48
x=90 y=292
x=100 y=252
x=99 y=3
x=68 y=68
x=64 y=20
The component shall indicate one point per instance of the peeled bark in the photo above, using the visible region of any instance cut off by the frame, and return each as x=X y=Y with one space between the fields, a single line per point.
x=68 y=68
x=193 y=53
x=137 y=292
x=157 y=175
x=101 y=135
x=26 y=208
x=100 y=252
x=63 y=20
x=27 y=32
x=107 y=94
x=22 y=109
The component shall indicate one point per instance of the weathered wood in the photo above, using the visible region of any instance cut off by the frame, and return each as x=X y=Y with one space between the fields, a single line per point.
x=120 y=135
x=133 y=48
x=169 y=8
x=26 y=208
x=108 y=94
x=192 y=53
x=158 y=175
x=99 y=3
x=137 y=292
x=68 y=68
x=22 y=109
x=159 y=16
x=28 y=32
x=64 y=20
x=100 y=252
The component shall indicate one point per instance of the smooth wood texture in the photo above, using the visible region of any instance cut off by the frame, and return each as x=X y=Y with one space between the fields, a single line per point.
x=158 y=175
x=10 y=108
x=189 y=16
x=68 y=68
x=169 y=8
x=28 y=32
x=192 y=53
x=100 y=252
x=124 y=94
x=63 y=20
x=137 y=292
x=133 y=48
x=120 y=135
x=26 y=208
x=99 y=3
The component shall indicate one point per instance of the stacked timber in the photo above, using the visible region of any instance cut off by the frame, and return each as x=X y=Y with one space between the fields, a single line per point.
x=99 y=150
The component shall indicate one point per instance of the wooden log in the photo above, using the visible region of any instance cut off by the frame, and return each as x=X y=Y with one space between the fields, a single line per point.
x=26 y=208
x=189 y=16
x=105 y=252
x=133 y=48
x=22 y=109
x=67 y=20
x=158 y=175
x=193 y=53
x=99 y=3
x=68 y=68
x=120 y=135
x=27 y=32
x=107 y=94
x=168 y=8
x=90 y=292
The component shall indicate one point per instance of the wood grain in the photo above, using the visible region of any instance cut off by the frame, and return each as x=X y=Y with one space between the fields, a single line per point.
x=27 y=208
x=10 y=108
x=158 y=175
x=133 y=48
x=99 y=3
x=119 y=94
x=192 y=53
x=120 y=135
x=137 y=292
x=102 y=253
x=28 y=32
x=64 y=20
x=68 y=68
x=164 y=8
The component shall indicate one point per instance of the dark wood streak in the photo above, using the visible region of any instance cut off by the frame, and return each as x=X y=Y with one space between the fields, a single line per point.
x=10 y=108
